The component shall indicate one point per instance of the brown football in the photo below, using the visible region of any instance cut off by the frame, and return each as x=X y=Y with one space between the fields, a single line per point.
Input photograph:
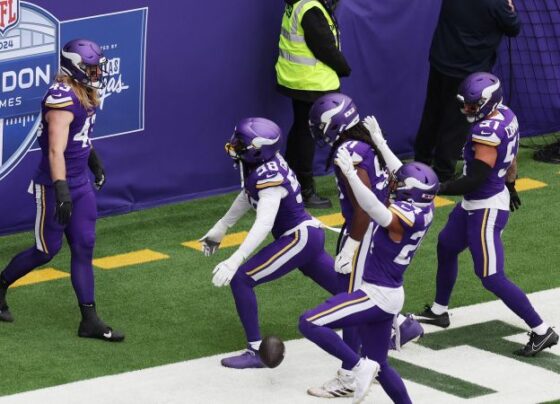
x=272 y=351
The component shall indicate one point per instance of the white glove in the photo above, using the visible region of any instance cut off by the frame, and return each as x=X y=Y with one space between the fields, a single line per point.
x=343 y=261
x=211 y=240
x=225 y=270
x=374 y=131
x=345 y=162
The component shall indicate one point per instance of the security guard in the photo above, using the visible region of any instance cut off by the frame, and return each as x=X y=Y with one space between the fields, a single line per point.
x=309 y=65
x=467 y=36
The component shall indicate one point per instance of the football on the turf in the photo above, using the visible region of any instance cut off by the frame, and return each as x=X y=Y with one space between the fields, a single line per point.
x=272 y=351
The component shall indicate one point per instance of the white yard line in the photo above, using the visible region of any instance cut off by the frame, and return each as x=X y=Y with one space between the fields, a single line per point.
x=205 y=381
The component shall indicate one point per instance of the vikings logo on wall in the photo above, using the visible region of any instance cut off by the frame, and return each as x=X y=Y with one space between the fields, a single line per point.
x=29 y=47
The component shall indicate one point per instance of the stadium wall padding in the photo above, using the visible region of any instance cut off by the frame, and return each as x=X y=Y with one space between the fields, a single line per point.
x=207 y=65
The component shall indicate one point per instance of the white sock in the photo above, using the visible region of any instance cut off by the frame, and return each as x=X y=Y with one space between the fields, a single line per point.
x=255 y=344
x=401 y=319
x=541 y=329
x=438 y=309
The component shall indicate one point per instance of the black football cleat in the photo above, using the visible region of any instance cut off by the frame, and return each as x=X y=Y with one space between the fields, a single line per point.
x=98 y=329
x=429 y=317
x=315 y=201
x=5 y=314
x=538 y=342
x=92 y=326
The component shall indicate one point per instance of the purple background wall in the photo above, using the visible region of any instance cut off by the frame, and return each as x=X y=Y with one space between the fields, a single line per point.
x=211 y=63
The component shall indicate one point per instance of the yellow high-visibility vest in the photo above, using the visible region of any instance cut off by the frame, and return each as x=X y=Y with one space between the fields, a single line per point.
x=297 y=68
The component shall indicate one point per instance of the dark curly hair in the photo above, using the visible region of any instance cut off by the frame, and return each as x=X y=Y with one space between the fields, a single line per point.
x=356 y=132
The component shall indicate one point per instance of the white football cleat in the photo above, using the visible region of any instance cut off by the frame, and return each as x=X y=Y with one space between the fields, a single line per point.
x=364 y=373
x=343 y=385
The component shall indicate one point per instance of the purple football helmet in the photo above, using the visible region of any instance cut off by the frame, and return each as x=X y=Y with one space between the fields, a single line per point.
x=415 y=182
x=254 y=140
x=83 y=60
x=331 y=115
x=479 y=95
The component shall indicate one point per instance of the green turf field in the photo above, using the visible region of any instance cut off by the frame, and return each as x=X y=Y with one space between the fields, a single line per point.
x=170 y=311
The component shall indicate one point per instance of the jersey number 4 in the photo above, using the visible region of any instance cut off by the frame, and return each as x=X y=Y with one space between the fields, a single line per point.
x=83 y=135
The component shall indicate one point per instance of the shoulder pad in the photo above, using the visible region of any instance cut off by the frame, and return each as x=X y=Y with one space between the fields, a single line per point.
x=485 y=135
x=355 y=151
x=59 y=96
x=269 y=179
x=404 y=211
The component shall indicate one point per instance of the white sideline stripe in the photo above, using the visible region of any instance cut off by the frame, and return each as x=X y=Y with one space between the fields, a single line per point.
x=205 y=381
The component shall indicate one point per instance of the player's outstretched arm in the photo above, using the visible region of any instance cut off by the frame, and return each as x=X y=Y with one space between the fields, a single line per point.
x=211 y=240
x=267 y=208
x=392 y=161
x=365 y=198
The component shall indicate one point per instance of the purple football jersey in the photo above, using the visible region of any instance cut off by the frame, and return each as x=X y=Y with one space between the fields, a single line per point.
x=276 y=173
x=387 y=260
x=61 y=97
x=364 y=157
x=502 y=132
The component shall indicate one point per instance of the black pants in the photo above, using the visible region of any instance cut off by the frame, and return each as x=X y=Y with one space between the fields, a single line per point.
x=444 y=129
x=300 y=149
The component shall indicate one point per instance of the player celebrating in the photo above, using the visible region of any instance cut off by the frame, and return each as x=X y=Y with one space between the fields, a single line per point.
x=478 y=221
x=65 y=198
x=273 y=190
x=391 y=246
x=334 y=120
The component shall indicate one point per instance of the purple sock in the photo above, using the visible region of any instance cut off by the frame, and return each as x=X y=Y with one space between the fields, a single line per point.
x=82 y=274
x=448 y=267
x=351 y=338
x=513 y=297
x=23 y=263
x=328 y=340
x=246 y=304
x=393 y=384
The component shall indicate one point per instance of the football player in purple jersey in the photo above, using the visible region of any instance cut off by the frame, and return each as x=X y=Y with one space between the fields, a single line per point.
x=334 y=120
x=63 y=192
x=477 y=222
x=271 y=188
x=392 y=239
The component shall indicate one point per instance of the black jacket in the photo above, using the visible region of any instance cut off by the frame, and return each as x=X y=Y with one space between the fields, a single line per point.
x=468 y=34
x=320 y=40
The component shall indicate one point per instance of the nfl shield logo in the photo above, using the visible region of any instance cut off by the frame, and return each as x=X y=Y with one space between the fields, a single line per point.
x=9 y=15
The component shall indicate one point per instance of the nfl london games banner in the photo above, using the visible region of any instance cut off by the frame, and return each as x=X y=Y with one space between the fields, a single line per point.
x=30 y=40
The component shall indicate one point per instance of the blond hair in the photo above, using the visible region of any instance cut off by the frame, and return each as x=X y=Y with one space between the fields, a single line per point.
x=88 y=97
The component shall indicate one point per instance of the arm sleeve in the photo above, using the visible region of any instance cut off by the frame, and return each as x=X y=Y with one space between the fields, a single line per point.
x=94 y=161
x=369 y=202
x=477 y=172
x=507 y=20
x=393 y=162
x=238 y=208
x=320 y=40
x=269 y=203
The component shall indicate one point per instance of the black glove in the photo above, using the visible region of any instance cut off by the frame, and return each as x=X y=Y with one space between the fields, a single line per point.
x=63 y=202
x=96 y=167
x=514 y=201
